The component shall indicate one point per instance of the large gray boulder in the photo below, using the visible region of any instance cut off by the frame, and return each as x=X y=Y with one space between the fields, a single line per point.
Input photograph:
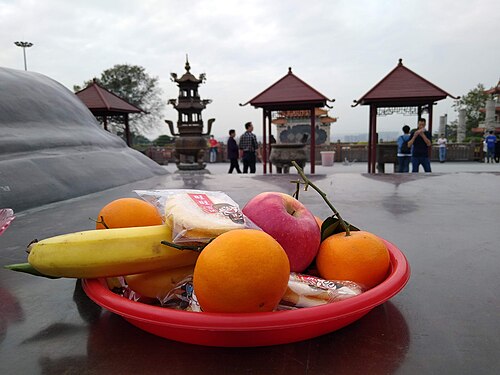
x=52 y=148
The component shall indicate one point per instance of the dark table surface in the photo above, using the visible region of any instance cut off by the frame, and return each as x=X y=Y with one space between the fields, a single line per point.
x=445 y=321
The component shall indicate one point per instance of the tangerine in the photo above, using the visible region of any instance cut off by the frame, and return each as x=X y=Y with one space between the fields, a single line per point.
x=361 y=257
x=126 y=213
x=241 y=271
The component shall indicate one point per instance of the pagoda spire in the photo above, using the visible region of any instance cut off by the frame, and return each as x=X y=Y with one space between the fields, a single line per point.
x=187 y=66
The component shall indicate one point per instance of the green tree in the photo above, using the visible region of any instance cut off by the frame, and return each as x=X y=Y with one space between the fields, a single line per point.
x=132 y=83
x=163 y=140
x=472 y=102
x=136 y=138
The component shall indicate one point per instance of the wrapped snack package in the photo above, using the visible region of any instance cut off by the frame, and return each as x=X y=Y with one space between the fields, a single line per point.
x=182 y=297
x=309 y=291
x=197 y=216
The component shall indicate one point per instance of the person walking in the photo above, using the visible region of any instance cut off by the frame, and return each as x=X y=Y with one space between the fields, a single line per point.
x=404 y=151
x=442 y=143
x=420 y=141
x=213 y=149
x=248 y=147
x=233 y=152
x=490 y=140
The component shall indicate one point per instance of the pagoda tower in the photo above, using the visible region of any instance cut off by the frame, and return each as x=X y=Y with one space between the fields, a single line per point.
x=191 y=142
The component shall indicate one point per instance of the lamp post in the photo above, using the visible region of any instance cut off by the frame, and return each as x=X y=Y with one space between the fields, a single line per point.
x=24 y=45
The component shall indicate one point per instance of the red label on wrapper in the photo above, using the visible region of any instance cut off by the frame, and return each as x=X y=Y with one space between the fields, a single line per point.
x=203 y=201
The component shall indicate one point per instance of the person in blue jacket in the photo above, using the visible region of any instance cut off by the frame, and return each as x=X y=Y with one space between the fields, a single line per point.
x=404 y=152
x=490 y=140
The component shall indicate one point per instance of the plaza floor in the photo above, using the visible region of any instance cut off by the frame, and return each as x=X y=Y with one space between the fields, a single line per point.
x=445 y=321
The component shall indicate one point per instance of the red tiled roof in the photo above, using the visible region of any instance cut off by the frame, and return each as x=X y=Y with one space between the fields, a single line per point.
x=98 y=99
x=494 y=90
x=497 y=108
x=327 y=119
x=289 y=90
x=482 y=130
x=403 y=86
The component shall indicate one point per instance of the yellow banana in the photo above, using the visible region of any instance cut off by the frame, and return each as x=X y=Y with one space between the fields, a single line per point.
x=157 y=284
x=107 y=253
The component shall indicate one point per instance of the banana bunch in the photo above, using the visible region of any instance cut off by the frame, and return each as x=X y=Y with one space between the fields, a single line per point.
x=108 y=253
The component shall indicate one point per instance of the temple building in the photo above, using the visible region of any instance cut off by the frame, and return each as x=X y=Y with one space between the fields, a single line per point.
x=492 y=112
x=295 y=126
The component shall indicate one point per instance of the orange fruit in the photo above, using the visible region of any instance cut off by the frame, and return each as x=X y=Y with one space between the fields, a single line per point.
x=361 y=257
x=243 y=270
x=128 y=212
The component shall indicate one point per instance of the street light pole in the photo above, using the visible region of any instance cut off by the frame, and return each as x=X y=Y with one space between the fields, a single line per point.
x=24 y=45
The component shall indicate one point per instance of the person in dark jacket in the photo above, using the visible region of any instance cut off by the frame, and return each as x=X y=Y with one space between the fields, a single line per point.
x=420 y=141
x=233 y=152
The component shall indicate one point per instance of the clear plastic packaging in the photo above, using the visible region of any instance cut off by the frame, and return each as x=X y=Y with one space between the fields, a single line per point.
x=197 y=216
x=6 y=217
x=308 y=291
x=182 y=297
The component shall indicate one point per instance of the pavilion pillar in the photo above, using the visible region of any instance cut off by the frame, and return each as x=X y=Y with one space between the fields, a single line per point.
x=430 y=127
x=370 y=126
x=313 y=140
x=373 y=115
x=372 y=140
x=430 y=117
x=269 y=115
x=264 y=141
x=105 y=122
x=127 y=131
x=419 y=112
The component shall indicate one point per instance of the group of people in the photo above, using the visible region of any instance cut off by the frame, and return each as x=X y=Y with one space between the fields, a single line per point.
x=246 y=149
x=414 y=147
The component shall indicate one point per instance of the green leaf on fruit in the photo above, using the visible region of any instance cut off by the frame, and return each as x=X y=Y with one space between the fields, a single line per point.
x=332 y=226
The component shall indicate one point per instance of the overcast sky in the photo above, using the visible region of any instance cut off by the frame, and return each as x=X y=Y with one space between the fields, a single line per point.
x=341 y=48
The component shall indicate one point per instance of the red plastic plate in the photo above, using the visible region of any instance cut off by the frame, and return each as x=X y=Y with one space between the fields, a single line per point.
x=252 y=329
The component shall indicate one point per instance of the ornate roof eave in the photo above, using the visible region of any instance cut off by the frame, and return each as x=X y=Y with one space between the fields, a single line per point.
x=494 y=90
x=102 y=92
x=362 y=101
x=317 y=103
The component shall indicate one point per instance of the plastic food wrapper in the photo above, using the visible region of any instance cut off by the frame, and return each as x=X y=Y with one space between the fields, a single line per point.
x=182 y=297
x=6 y=217
x=308 y=291
x=197 y=216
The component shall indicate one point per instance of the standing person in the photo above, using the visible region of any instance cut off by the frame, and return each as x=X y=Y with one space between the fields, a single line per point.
x=490 y=140
x=213 y=148
x=420 y=141
x=442 y=142
x=248 y=147
x=233 y=152
x=404 y=151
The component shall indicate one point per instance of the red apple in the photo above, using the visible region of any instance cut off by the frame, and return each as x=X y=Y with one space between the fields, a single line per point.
x=290 y=223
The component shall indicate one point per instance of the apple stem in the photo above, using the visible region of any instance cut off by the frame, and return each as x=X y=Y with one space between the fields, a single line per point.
x=297 y=189
x=307 y=183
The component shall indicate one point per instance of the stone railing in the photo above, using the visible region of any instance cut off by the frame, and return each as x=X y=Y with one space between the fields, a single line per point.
x=343 y=151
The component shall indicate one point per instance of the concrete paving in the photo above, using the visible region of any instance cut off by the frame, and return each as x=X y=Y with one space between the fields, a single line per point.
x=445 y=321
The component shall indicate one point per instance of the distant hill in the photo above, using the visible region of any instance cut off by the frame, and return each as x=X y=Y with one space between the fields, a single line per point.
x=363 y=137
